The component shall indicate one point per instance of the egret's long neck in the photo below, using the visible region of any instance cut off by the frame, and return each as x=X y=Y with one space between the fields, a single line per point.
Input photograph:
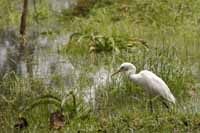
x=131 y=72
x=134 y=77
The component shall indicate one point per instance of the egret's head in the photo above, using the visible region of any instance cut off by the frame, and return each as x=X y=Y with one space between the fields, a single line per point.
x=127 y=68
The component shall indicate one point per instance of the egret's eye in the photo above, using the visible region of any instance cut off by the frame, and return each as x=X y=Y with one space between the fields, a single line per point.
x=123 y=68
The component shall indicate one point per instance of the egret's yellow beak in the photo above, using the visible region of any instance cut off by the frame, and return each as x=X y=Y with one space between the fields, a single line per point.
x=116 y=72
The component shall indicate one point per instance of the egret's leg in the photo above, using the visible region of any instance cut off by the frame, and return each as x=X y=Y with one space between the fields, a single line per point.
x=152 y=98
x=151 y=106
x=151 y=102
x=165 y=104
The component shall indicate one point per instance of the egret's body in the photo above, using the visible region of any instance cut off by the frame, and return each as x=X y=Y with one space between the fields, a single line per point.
x=147 y=80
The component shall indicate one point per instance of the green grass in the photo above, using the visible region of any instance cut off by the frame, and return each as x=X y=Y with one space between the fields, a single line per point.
x=169 y=28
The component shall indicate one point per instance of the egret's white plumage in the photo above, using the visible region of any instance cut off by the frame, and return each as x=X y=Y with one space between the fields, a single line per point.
x=148 y=80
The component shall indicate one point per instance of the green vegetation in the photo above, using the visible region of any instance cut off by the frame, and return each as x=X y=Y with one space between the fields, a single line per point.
x=162 y=36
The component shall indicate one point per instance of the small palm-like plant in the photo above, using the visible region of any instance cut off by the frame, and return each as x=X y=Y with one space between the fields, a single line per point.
x=100 y=43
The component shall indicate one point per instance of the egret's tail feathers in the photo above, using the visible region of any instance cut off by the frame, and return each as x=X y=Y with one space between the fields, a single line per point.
x=172 y=99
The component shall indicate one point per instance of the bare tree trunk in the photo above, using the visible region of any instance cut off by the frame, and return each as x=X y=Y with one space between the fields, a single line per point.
x=23 y=23
x=23 y=18
x=23 y=56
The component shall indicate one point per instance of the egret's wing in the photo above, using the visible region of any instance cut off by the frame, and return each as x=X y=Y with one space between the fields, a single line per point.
x=157 y=85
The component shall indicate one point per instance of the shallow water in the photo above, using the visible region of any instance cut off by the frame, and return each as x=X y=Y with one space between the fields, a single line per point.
x=45 y=63
x=58 y=6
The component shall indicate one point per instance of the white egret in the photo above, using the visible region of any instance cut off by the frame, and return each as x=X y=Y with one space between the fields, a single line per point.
x=149 y=81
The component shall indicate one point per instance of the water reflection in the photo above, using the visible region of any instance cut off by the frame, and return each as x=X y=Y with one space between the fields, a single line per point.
x=58 y=6
x=43 y=61
x=3 y=57
x=41 y=54
x=7 y=50
x=100 y=79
